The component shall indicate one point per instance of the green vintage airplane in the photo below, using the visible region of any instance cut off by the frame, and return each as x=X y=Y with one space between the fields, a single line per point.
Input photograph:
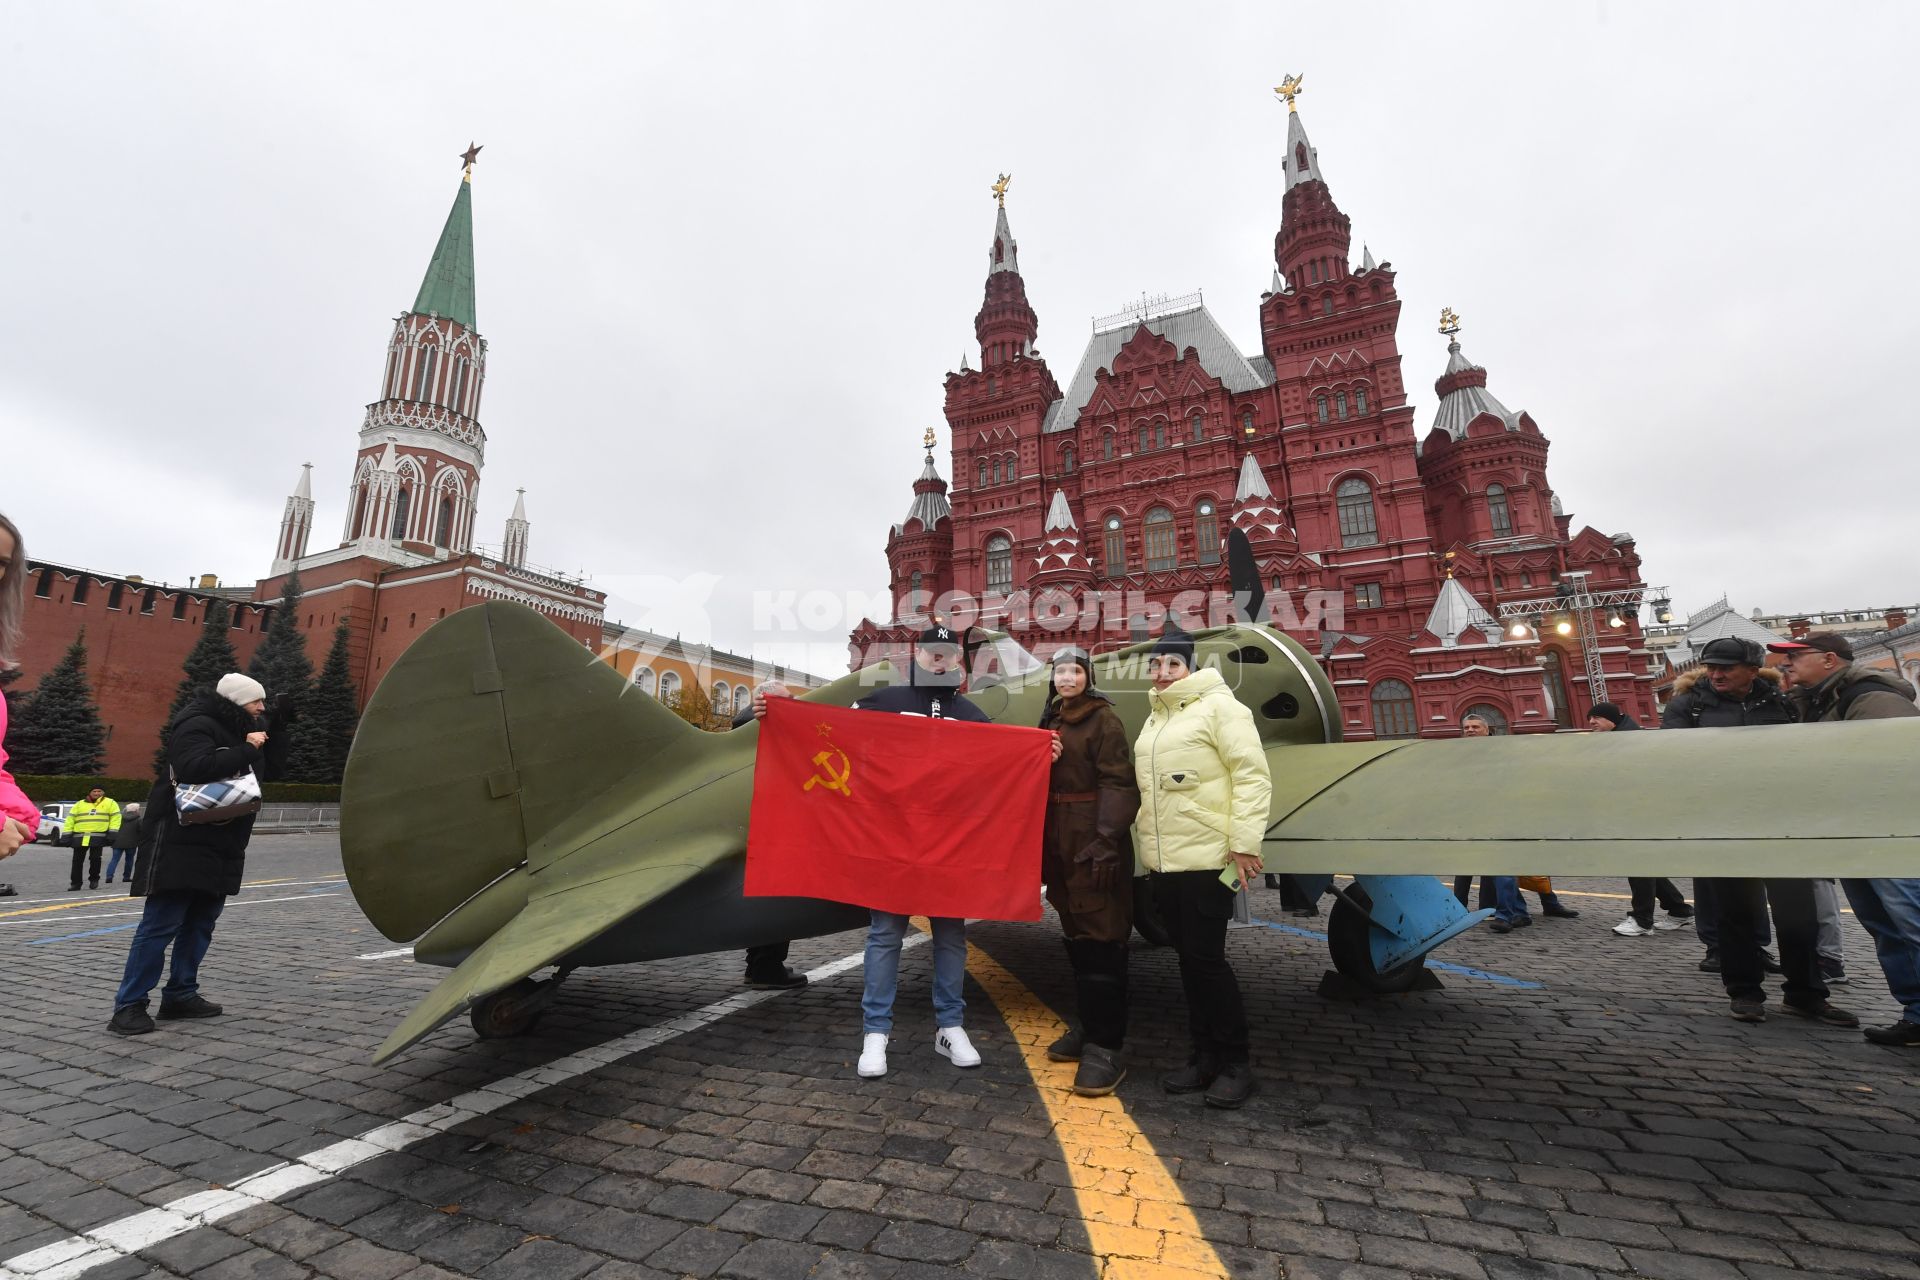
x=511 y=804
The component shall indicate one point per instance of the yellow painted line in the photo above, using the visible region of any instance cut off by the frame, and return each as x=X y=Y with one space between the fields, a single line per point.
x=1135 y=1213
x=58 y=906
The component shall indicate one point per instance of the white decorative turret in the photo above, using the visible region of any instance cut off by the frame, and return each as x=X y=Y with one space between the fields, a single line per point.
x=1256 y=512
x=1456 y=611
x=514 y=551
x=1061 y=552
x=297 y=523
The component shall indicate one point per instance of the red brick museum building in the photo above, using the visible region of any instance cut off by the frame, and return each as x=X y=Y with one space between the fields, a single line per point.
x=1127 y=479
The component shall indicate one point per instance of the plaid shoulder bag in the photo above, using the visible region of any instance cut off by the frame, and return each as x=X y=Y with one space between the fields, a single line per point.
x=196 y=803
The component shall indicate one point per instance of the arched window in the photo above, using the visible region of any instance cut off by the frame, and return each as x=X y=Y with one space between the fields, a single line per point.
x=1246 y=423
x=1066 y=458
x=1313 y=269
x=400 y=508
x=742 y=699
x=443 y=532
x=423 y=373
x=1159 y=433
x=1326 y=305
x=1340 y=405
x=913 y=586
x=1199 y=425
x=1206 y=533
x=1012 y=471
x=1495 y=718
x=722 y=697
x=1320 y=407
x=1140 y=435
x=1160 y=540
x=643 y=679
x=1354 y=502
x=669 y=686
x=1106 y=444
x=1497 y=511
x=983 y=473
x=1359 y=402
x=1115 y=553
x=1000 y=563
x=1300 y=157
x=1393 y=714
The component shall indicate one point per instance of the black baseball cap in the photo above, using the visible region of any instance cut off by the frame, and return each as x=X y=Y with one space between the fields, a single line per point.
x=1731 y=651
x=1819 y=641
x=938 y=633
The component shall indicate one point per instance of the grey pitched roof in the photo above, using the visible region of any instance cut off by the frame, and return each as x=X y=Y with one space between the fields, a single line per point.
x=1009 y=257
x=1455 y=611
x=929 y=507
x=1194 y=327
x=1463 y=404
x=1711 y=623
x=1297 y=134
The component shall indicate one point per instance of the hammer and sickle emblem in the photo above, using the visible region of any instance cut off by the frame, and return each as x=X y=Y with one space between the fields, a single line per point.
x=829 y=777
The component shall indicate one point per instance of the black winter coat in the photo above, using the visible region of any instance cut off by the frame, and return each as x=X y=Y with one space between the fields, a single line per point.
x=1696 y=704
x=924 y=694
x=207 y=742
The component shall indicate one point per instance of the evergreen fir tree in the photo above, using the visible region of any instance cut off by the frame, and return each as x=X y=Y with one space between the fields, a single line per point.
x=58 y=730
x=327 y=720
x=212 y=657
x=281 y=664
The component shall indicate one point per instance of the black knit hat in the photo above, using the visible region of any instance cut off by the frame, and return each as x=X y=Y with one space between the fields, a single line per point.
x=1606 y=711
x=1176 y=642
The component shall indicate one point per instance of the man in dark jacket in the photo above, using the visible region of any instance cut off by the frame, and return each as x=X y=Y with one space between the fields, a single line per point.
x=126 y=838
x=1607 y=717
x=1827 y=686
x=193 y=868
x=1738 y=689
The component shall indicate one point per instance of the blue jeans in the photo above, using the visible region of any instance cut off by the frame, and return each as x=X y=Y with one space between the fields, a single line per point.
x=1890 y=910
x=184 y=919
x=113 y=863
x=1505 y=897
x=884 y=936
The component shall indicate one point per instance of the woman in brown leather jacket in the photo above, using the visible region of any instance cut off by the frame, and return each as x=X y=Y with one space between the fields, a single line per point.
x=1088 y=866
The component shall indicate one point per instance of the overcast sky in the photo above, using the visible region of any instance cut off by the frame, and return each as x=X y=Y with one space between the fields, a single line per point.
x=726 y=256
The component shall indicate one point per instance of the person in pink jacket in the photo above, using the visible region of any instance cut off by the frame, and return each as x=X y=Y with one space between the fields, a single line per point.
x=19 y=816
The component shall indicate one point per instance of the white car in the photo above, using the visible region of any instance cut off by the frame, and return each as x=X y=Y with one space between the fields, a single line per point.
x=53 y=820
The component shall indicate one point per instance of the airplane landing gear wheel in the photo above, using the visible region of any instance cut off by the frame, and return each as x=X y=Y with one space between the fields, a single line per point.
x=1352 y=950
x=513 y=1011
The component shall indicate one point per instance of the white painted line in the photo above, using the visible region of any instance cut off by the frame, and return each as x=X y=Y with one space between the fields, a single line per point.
x=250 y=884
x=386 y=955
x=121 y=915
x=77 y=1255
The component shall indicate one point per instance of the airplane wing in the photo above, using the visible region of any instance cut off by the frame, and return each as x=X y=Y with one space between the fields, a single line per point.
x=1786 y=800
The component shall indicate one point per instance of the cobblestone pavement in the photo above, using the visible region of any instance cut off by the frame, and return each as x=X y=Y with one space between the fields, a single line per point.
x=1609 y=1120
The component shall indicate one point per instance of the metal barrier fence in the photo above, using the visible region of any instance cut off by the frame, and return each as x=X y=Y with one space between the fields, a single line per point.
x=297 y=817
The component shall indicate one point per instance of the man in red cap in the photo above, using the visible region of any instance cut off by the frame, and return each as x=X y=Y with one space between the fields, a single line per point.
x=1827 y=686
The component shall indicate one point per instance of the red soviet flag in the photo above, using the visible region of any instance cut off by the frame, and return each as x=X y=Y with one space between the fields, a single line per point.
x=900 y=813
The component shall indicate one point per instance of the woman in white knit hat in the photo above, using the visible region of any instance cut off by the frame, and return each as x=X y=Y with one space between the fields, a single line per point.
x=222 y=735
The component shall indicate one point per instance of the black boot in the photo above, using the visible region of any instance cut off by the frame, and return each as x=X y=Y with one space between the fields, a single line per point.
x=1101 y=1071
x=1068 y=1047
x=1232 y=1087
x=1201 y=1070
x=132 y=1020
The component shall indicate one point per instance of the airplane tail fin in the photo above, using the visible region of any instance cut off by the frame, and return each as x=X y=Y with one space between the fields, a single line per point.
x=490 y=731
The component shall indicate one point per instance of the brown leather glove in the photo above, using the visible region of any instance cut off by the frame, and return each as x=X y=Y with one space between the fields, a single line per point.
x=1109 y=852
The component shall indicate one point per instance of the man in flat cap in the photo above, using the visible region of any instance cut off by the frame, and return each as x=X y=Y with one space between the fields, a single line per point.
x=1828 y=686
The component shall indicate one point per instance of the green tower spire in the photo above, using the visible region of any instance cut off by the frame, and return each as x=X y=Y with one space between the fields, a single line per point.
x=448 y=288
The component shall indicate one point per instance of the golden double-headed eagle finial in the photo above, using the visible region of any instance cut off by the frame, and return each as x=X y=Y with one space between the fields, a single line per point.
x=927 y=440
x=1449 y=321
x=1289 y=88
x=1000 y=189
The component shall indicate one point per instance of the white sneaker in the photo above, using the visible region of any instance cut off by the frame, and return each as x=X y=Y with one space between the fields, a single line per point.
x=1631 y=928
x=873 y=1056
x=1669 y=924
x=952 y=1044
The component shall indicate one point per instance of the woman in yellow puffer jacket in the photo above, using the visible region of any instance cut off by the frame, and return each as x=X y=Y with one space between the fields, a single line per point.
x=1204 y=796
